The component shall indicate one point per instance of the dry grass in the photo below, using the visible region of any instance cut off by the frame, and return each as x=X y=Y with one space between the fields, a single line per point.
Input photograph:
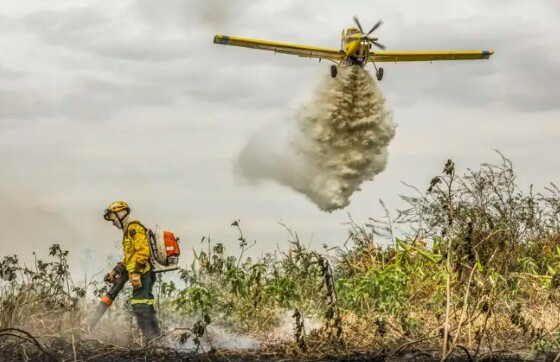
x=475 y=276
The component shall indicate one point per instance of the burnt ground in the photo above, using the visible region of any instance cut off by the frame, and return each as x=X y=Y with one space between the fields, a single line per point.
x=96 y=351
x=20 y=345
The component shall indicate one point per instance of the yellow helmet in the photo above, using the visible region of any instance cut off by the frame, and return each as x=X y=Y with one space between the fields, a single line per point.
x=115 y=207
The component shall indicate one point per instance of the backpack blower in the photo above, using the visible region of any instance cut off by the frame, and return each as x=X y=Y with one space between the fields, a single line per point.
x=164 y=256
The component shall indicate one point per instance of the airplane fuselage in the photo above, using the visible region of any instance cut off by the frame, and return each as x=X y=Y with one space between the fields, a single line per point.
x=356 y=48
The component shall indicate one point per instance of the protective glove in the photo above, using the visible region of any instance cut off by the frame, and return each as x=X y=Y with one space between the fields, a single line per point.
x=135 y=280
x=110 y=277
x=117 y=270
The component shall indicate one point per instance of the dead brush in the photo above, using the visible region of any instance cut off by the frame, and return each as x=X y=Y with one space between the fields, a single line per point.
x=333 y=320
x=29 y=292
x=299 y=330
x=42 y=299
x=471 y=270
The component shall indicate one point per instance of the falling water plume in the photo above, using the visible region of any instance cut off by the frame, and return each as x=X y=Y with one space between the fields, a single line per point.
x=334 y=143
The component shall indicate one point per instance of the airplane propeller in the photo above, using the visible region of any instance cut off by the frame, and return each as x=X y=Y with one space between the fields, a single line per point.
x=379 y=45
x=366 y=36
x=379 y=23
x=358 y=24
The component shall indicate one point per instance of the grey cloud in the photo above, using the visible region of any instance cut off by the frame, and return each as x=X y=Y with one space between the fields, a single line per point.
x=186 y=15
x=86 y=98
x=161 y=63
x=521 y=75
x=120 y=71
x=88 y=29
x=10 y=75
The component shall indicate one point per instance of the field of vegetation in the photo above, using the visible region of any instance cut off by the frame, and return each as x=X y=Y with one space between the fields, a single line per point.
x=469 y=271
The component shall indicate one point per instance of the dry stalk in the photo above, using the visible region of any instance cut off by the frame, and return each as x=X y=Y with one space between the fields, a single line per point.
x=299 y=330
x=463 y=312
x=74 y=346
x=448 y=302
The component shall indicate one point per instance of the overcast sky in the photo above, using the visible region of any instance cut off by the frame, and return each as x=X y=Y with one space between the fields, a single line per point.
x=131 y=100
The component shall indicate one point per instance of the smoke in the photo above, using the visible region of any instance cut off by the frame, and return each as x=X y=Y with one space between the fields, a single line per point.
x=285 y=331
x=221 y=337
x=214 y=13
x=334 y=144
x=22 y=207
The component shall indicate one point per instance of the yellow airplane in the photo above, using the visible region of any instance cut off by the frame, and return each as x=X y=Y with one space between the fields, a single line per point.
x=355 y=50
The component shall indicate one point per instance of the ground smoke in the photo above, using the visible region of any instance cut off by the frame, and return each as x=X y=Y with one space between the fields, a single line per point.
x=337 y=142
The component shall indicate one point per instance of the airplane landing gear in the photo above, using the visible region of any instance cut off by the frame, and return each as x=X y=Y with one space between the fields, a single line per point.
x=334 y=71
x=379 y=74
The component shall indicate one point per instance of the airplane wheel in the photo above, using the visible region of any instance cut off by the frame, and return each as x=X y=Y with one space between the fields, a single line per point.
x=334 y=71
x=379 y=74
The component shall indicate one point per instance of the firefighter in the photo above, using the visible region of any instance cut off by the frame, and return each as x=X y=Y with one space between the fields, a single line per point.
x=136 y=261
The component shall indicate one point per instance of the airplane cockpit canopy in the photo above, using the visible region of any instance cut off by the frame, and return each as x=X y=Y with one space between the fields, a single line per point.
x=348 y=33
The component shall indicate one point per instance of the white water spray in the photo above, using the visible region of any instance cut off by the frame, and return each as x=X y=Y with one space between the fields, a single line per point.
x=334 y=144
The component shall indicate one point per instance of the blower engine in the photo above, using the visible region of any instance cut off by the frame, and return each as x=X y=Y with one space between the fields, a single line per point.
x=165 y=250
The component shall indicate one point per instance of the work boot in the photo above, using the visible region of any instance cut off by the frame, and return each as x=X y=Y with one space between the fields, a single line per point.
x=146 y=319
x=155 y=323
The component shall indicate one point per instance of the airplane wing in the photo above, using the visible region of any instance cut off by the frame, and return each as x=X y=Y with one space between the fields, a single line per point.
x=277 y=47
x=428 y=56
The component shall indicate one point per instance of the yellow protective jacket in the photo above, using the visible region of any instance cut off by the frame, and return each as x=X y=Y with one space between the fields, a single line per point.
x=136 y=248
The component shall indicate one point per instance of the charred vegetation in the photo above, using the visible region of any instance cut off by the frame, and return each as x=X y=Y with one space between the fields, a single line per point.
x=471 y=272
